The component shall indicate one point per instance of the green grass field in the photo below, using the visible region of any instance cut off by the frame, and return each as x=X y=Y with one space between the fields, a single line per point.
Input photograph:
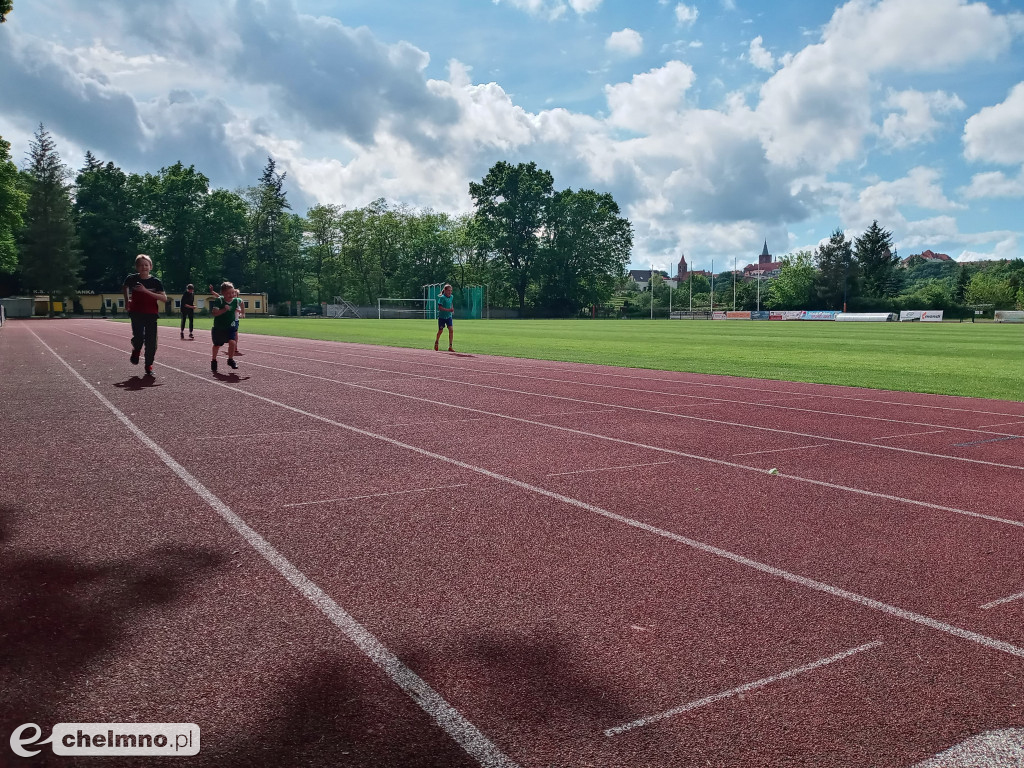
x=976 y=360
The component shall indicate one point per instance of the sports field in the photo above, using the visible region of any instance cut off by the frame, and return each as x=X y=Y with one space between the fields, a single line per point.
x=968 y=359
x=355 y=554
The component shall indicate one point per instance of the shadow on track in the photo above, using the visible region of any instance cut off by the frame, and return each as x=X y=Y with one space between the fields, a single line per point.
x=137 y=383
x=62 y=621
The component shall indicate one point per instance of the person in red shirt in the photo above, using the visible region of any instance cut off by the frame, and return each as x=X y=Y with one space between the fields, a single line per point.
x=142 y=291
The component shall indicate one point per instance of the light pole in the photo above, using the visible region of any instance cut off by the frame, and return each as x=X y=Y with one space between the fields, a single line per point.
x=759 y=289
x=651 y=286
x=712 y=289
x=733 y=283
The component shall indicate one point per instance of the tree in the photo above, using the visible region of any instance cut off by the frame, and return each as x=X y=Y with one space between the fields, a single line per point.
x=13 y=200
x=172 y=206
x=6 y=6
x=510 y=209
x=267 y=205
x=108 y=229
x=963 y=279
x=877 y=261
x=586 y=247
x=988 y=288
x=838 y=274
x=50 y=260
x=794 y=287
x=323 y=248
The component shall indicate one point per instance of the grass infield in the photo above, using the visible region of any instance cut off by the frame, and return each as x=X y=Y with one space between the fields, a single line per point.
x=970 y=359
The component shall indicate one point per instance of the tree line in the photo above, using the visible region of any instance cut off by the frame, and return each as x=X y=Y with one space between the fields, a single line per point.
x=534 y=247
x=863 y=274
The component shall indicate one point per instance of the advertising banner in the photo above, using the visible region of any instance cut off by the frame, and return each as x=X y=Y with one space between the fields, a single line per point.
x=737 y=315
x=762 y=315
x=776 y=314
x=819 y=314
x=718 y=315
x=922 y=315
x=793 y=314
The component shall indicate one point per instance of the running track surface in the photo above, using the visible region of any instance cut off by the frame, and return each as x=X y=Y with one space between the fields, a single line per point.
x=346 y=555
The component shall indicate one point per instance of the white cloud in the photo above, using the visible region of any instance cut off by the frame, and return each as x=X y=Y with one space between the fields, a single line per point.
x=686 y=15
x=553 y=9
x=917 y=121
x=994 y=185
x=995 y=134
x=625 y=42
x=886 y=200
x=652 y=100
x=759 y=56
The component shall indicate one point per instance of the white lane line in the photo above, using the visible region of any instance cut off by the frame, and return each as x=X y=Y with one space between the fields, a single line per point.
x=444 y=714
x=639 y=723
x=251 y=435
x=376 y=495
x=660 y=410
x=649 y=411
x=1003 y=601
x=761 y=392
x=1017 y=423
x=777 y=450
x=621 y=441
x=591 y=370
x=909 y=434
x=710 y=549
x=609 y=469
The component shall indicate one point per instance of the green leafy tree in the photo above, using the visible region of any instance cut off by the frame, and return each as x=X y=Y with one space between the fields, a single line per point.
x=794 y=287
x=172 y=205
x=323 y=250
x=932 y=294
x=838 y=274
x=108 y=228
x=510 y=202
x=878 y=261
x=6 y=6
x=50 y=261
x=586 y=246
x=988 y=288
x=13 y=200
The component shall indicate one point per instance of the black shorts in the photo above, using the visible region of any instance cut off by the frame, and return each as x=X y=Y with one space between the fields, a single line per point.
x=443 y=321
x=222 y=336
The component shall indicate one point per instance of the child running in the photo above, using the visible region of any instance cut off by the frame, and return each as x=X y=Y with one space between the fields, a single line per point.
x=223 y=309
x=142 y=291
x=239 y=314
x=445 y=313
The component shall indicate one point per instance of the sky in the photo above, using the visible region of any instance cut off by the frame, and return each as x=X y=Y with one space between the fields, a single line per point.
x=716 y=125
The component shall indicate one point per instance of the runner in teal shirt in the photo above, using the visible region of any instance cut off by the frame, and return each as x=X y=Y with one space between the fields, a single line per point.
x=445 y=313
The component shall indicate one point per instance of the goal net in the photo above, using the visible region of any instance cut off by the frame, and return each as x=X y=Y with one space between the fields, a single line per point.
x=403 y=309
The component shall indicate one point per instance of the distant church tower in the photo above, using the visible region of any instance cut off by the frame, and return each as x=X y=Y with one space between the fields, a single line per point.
x=765 y=257
x=682 y=270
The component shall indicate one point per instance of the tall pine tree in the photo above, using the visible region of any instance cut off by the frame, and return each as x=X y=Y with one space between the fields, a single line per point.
x=108 y=229
x=50 y=261
x=838 y=273
x=877 y=261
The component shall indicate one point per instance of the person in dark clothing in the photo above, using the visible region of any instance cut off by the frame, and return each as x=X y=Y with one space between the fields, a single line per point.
x=188 y=309
x=142 y=291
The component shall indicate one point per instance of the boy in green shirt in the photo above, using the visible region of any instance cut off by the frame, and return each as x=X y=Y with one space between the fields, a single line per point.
x=223 y=309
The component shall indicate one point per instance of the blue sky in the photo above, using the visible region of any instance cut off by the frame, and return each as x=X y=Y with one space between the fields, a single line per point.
x=715 y=125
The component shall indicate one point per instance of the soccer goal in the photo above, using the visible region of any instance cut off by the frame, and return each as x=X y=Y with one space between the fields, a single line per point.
x=403 y=309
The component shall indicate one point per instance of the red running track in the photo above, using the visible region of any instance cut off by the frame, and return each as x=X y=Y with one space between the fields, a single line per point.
x=354 y=555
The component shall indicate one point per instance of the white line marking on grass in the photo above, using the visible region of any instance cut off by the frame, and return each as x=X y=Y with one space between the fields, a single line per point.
x=740 y=689
x=909 y=434
x=444 y=714
x=777 y=450
x=610 y=469
x=673 y=452
x=1003 y=601
x=375 y=495
x=808 y=583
